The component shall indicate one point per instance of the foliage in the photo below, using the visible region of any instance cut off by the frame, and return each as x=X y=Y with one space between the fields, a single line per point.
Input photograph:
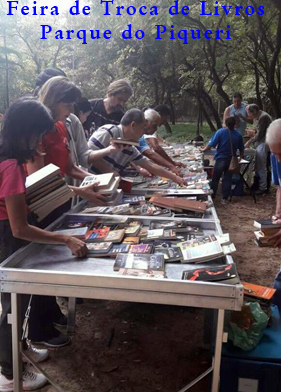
x=195 y=80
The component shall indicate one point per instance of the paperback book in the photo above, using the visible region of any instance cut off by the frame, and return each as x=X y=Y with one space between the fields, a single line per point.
x=140 y=261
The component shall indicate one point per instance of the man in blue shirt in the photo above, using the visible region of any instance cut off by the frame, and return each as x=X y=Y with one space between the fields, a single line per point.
x=227 y=141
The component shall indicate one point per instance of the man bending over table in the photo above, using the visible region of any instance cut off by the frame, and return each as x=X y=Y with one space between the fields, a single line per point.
x=132 y=127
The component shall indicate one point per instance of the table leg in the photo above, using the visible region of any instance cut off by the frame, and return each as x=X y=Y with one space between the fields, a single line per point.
x=71 y=315
x=16 y=333
x=218 y=349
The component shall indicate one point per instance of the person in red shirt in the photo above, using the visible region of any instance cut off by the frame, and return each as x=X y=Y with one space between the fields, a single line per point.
x=59 y=95
x=24 y=124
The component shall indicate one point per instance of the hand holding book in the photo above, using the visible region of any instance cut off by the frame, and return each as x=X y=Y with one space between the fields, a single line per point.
x=88 y=192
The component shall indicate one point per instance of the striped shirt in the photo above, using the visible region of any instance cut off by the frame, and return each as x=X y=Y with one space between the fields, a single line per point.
x=117 y=161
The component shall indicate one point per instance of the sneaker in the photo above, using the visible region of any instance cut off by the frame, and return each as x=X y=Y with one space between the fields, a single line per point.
x=5 y=384
x=61 y=322
x=60 y=340
x=32 y=381
x=224 y=201
x=37 y=355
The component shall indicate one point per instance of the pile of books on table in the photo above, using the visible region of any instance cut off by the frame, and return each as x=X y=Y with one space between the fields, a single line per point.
x=163 y=241
x=46 y=190
x=267 y=229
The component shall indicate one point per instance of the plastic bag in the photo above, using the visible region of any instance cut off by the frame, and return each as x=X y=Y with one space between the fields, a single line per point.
x=245 y=328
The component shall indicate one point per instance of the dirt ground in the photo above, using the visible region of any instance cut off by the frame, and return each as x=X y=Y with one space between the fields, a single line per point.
x=128 y=347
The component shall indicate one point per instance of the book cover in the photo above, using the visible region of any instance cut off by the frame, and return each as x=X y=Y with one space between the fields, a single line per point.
x=131 y=240
x=211 y=274
x=133 y=229
x=171 y=254
x=177 y=225
x=139 y=261
x=119 y=248
x=254 y=290
x=99 y=248
x=141 y=248
x=115 y=235
x=201 y=249
x=154 y=234
x=101 y=181
x=98 y=234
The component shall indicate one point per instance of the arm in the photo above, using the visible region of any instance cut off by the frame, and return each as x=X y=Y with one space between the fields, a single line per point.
x=95 y=156
x=153 y=142
x=74 y=171
x=206 y=148
x=159 y=171
x=16 y=210
x=158 y=159
x=143 y=172
x=226 y=115
x=246 y=119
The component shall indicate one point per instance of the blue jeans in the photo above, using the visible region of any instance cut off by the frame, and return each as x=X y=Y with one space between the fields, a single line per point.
x=221 y=168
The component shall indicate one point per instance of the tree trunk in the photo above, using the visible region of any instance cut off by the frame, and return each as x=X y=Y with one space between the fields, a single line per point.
x=208 y=119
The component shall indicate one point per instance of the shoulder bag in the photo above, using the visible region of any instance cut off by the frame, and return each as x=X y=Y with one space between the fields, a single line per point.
x=234 y=163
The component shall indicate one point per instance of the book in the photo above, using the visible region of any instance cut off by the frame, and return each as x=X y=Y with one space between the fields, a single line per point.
x=141 y=248
x=79 y=232
x=47 y=198
x=131 y=240
x=97 y=235
x=171 y=254
x=106 y=190
x=119 y=248
x=35 y=195
x=141 y=273
x=200 y=249
x=53 y=204
x=211 y=274
x=179 y=204
x=99 y=248
x=179 y=226
x=133 y=200
x=125 y=142
x=115 y=235
x=101 y=181
x=139 y=261
x=257 y=291
x=133 y=229
x=266 y=224
x=36 y=179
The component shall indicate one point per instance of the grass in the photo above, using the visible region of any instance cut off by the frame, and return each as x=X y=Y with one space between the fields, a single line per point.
x=183 y=132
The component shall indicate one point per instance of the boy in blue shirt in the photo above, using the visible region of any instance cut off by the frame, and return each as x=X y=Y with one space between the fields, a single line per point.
x=221 y=141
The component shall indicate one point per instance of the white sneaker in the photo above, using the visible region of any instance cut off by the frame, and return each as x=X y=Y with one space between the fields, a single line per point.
x=30 y=382
x=37 y=355
x=6 y=385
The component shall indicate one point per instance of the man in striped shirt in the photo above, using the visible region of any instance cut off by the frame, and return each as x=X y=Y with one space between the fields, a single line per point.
x=132 y=127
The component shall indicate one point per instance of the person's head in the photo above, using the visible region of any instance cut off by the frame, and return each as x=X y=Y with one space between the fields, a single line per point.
x=82 y=109
x=253 y=111
x=118 y=93
x=230 y=123
x=164 y=112
x=24 y=124
x=59 y=94
x=133 y=124
x=273 y=138
x=45 y=75
x=153 y=120
x=237 y=100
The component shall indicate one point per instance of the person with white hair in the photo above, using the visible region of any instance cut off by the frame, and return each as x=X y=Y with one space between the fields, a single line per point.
x=149 y=145
x=273 y=139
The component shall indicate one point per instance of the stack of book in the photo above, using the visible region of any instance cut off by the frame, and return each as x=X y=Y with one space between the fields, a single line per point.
x=46 y=190
x=266 y=230
x=179 y=204
x=106 y=184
